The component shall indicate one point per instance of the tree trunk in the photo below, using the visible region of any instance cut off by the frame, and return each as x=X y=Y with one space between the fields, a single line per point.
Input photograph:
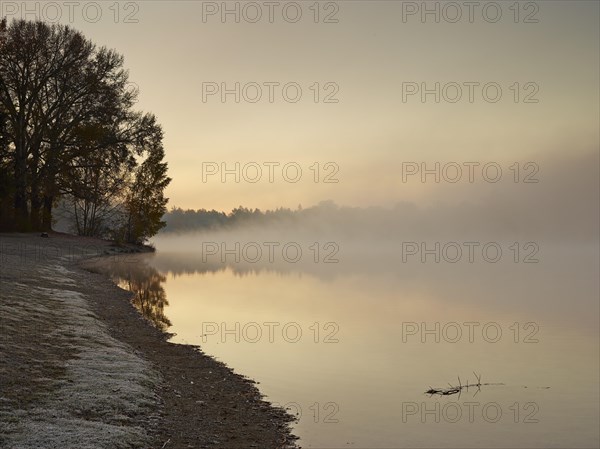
x=35 y=203
x=47 y=213
x=34 y=213
x=50 y=190
x=21 y=211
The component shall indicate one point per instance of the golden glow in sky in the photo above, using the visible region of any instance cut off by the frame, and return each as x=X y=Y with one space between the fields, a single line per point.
x=351 y=92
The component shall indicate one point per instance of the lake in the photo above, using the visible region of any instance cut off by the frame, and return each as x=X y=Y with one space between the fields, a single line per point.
x=351 y=346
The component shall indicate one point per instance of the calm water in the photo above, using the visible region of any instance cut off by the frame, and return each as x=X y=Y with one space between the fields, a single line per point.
x=351 y=347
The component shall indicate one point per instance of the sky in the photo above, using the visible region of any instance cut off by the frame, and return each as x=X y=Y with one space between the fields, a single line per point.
x=351 y=124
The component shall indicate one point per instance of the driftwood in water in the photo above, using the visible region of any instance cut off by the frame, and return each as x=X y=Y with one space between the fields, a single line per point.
x=457 y=389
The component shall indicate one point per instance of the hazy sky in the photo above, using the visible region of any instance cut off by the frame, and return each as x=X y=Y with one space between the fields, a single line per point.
x=366 y=56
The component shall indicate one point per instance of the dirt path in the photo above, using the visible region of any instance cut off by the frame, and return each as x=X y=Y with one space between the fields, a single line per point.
x=80 y=368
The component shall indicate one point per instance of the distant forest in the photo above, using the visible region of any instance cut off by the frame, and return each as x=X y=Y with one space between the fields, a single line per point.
x=179 y=220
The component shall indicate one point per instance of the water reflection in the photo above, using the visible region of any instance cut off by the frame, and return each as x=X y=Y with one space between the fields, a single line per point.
x=144 y=281
x=525 y=289
x=369 y=387
x=374 y=384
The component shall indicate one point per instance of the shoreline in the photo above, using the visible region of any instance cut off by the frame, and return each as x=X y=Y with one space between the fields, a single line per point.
x=127 y=386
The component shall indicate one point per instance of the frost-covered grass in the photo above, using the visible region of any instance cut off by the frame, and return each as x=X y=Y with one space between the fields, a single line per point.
x=65 y=382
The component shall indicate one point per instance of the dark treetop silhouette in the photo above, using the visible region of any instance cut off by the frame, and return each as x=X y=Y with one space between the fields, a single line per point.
x=68 y=131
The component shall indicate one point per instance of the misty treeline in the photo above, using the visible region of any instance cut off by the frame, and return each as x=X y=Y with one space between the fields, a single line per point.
x=325 y=216
x=180 y=220
x=69 y=134
x=564 y=206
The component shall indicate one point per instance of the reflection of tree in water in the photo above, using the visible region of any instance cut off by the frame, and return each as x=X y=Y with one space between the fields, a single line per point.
x=145 y=283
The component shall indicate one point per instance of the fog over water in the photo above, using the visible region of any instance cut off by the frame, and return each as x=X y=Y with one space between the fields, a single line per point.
x=389 y=302
x=363 y=277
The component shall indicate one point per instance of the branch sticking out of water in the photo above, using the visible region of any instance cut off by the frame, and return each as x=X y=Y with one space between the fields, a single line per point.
x=457 y=389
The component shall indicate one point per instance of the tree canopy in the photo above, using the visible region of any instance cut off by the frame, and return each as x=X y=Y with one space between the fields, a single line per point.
x=68 y=130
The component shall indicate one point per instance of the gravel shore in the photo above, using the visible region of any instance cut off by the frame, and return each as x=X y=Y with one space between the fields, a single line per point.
x=80 y=368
